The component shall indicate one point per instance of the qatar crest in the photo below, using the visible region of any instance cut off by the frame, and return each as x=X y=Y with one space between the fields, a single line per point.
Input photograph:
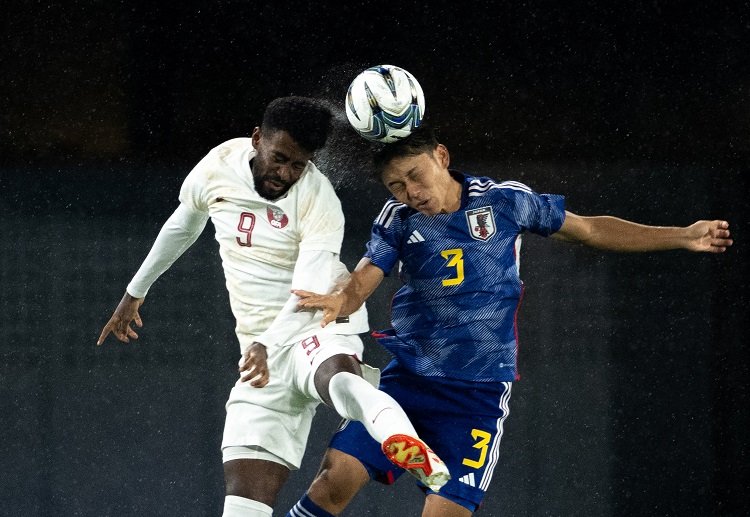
x=277 y=217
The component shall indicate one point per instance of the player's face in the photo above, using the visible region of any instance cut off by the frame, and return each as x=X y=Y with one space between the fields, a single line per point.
x=278 y=163
x=423 y=182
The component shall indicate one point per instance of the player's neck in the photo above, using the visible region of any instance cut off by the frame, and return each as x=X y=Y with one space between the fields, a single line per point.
x=454 y=195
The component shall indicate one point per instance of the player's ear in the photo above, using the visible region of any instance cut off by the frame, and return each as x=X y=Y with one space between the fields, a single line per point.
x=443 y=156
x=256 y=137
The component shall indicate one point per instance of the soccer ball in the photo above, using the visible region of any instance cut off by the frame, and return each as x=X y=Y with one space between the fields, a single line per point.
x=385 y=103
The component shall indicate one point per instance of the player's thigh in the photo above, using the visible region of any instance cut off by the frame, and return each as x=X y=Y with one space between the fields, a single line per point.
x=275 y=419
x=259 y=480
x=319 y=356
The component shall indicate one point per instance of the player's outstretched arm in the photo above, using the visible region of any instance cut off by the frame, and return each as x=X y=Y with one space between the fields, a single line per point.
x=343 y=302
x=119 y=324
x=615 y=234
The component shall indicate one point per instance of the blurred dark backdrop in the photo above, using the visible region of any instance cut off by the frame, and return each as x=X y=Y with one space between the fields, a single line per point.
x=633 y=398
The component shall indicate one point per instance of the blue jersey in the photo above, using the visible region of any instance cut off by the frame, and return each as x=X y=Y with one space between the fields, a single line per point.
x=455 y=315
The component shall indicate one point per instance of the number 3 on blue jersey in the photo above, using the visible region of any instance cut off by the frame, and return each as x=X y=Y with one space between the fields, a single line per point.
x=455 y=258
x=482 y=443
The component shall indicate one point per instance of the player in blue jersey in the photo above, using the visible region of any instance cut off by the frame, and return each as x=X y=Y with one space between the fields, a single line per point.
x=453 y=341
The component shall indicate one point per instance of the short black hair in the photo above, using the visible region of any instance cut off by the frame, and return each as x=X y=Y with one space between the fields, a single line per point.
x=421 y=140
x=307 y=120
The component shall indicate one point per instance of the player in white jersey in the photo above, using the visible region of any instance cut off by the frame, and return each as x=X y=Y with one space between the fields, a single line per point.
x=279 y=226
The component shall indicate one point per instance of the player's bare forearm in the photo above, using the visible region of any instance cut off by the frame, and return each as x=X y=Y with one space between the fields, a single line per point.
x=364 y=280
x=615 y=234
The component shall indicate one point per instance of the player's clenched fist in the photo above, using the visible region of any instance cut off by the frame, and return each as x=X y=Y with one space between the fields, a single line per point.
x=254 y=366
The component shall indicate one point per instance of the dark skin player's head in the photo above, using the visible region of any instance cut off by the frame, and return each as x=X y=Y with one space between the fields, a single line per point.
x=293 y=128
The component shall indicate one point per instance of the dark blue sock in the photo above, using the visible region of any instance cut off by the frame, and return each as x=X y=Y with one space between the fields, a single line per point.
x=306 y=508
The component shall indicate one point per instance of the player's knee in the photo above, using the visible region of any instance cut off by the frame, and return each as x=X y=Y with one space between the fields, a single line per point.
x=328 y=491
x=329 y=368
x=338 y=481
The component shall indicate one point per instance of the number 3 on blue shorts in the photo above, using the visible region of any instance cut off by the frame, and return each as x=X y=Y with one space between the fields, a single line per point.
x=482 y=439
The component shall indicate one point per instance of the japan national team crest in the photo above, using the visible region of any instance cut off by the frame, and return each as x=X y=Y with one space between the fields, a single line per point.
x=481 y=223
x=276 y=217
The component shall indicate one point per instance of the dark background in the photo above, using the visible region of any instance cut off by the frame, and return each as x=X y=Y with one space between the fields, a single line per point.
x=633 y=398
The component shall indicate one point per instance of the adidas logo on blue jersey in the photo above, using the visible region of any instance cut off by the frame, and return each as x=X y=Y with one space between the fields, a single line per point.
x=468 y=479
x=415 y=237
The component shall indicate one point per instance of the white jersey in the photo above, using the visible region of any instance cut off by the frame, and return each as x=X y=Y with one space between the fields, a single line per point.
x=261 y=240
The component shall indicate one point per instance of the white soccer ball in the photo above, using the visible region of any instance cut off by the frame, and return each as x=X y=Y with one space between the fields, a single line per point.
x=385 y=103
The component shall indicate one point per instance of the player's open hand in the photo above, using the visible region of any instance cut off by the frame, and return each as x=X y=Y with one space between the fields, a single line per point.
x=710 y=236
x=330 y=304
x=254 y=366
x=125 y=314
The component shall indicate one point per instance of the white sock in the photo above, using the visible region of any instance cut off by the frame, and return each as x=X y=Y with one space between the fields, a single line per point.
x=235 y=506
x=356 y=399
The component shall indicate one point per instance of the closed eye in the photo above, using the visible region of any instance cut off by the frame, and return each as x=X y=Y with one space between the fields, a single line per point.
x=395 y=186
x=281 y=159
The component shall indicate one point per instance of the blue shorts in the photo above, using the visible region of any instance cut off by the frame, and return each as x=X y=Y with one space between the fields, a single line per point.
x=461 y=421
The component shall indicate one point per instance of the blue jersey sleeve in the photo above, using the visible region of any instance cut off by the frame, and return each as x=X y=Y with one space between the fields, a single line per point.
x=542 y=214
x=384 y=246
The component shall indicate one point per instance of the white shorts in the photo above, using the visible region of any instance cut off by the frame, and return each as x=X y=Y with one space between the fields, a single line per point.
x=277 y=417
